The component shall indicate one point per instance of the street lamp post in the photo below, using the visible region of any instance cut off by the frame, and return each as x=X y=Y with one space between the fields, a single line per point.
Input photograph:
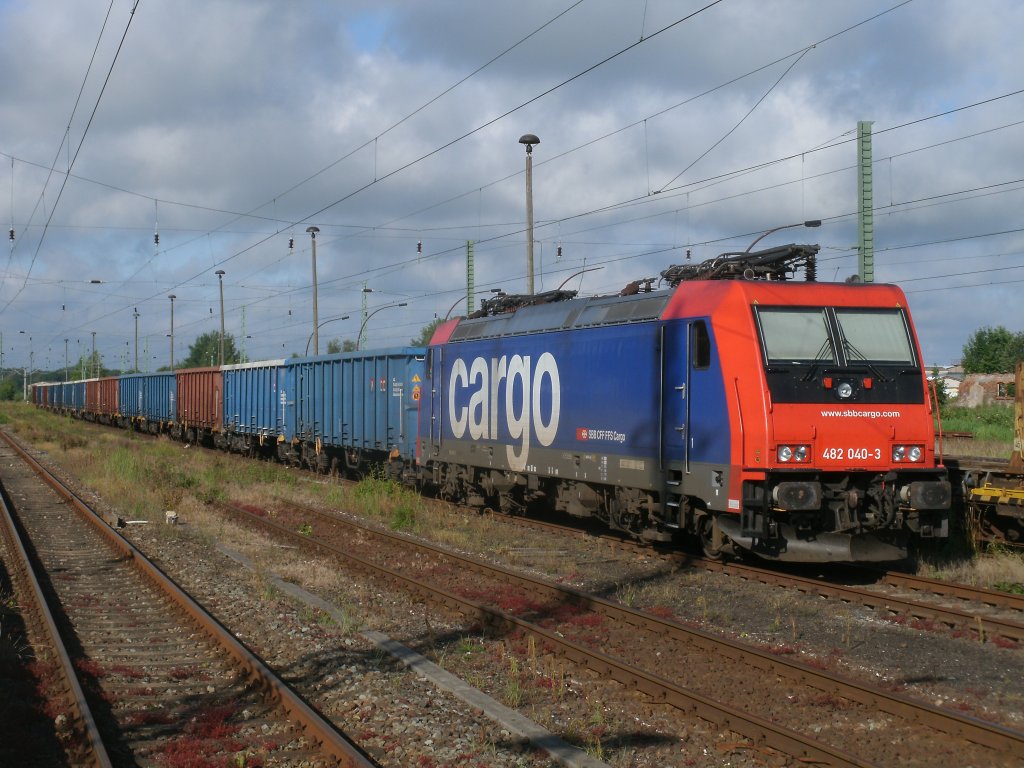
x=95 y=373
x=172 y=297
x=529 y=140
x=65 y=359
x=325 y=322
x=135 y=315
x=316 y=334
x=811 y=223
x=220 y=279
x=378 y=309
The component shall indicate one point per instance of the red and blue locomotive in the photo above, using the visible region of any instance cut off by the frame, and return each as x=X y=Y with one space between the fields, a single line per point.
x=790 y=419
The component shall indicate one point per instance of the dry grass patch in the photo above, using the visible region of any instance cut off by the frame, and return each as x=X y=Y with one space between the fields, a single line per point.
x=988 y=449
x=995 y=569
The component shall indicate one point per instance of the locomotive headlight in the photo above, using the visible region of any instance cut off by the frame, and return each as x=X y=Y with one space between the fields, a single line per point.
x=793 y=454
x=844 y=390
x=907 y=453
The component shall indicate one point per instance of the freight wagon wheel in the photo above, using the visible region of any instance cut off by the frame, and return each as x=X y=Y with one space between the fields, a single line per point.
x=710 y=538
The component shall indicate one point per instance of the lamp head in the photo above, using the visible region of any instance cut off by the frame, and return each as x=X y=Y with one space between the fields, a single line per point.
x=529 y=140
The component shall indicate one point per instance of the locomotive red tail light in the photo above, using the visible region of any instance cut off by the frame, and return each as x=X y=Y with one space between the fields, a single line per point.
x=793 y=454
x=827 y=382
x=907 y=454
x=868 y=383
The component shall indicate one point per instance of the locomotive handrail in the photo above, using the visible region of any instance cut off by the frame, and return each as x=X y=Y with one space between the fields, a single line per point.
x=938 y=417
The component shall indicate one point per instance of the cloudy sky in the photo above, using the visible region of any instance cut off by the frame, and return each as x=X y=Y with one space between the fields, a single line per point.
x=228 y=127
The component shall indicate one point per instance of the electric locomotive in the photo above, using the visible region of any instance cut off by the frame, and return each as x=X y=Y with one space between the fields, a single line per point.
x=759 y=413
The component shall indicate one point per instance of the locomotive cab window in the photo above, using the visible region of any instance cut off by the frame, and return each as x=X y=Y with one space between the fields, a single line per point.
x=700 y=345
x=875 y=335
x=795 y=335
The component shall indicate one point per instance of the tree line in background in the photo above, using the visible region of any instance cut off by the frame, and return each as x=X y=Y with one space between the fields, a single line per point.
x=993 y=350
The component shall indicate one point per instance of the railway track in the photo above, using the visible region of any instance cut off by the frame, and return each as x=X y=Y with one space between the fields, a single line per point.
x=972 y=619
x=978 y=613
x=645 y=652
x=148 y=674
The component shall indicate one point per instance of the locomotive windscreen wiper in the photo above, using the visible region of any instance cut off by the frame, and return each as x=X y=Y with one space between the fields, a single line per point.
x=823 y=352
x=851 y=351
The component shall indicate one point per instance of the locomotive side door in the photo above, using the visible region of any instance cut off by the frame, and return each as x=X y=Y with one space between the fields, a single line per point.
x=698 y=346
x=674 y=411
x=686 y=382
x=710 y=434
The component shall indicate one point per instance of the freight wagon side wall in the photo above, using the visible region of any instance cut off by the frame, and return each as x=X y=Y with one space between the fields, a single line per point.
x=162 y=397
x=79 y=395
x=313 y=386
x=67 y=390
x=380 y=402
x=149 y=396
x=200 y=398
x=130 y=395
x=108 y=396
x=92 y=396
x=356 y=400
x=253 y=398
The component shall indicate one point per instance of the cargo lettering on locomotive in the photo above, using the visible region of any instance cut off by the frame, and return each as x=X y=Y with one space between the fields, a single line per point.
x=523 y=401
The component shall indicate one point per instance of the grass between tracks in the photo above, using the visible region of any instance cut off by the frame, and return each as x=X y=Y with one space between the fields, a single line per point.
x=990 y=427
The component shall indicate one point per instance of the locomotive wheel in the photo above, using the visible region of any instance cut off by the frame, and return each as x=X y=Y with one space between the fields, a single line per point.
x=710 y=539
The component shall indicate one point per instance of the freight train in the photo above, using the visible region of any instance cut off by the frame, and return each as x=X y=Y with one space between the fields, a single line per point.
x=725 y=400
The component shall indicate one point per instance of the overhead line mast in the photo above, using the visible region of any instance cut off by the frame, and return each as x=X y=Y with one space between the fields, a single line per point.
x=865 y=205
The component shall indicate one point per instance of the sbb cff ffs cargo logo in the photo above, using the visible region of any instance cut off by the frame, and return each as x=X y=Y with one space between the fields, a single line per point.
x=506 y=390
